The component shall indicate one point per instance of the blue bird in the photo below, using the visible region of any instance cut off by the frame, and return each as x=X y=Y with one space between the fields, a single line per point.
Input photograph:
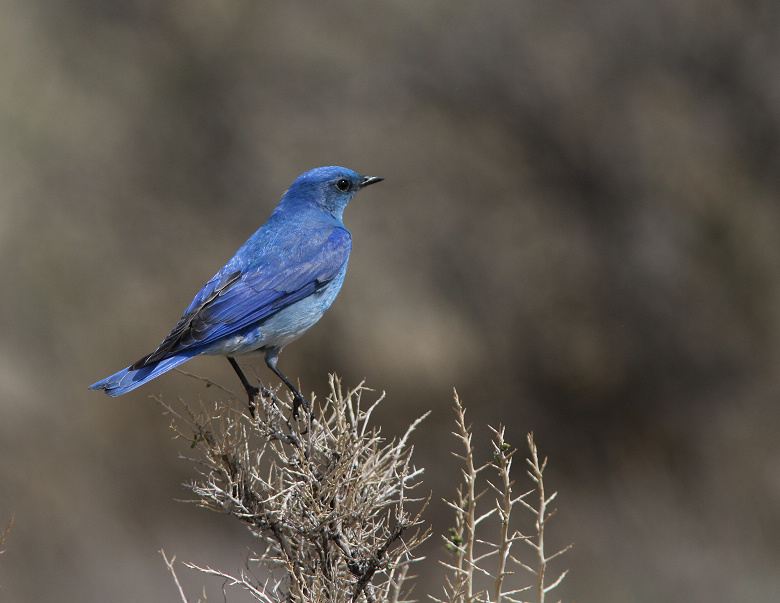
x=275 y=288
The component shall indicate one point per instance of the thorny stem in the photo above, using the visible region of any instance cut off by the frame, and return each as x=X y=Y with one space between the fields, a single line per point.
x=327 y=504
x=470 y=564
x=364 y=571
x=503 y=458
x=468 y=514
x=542 y=516
x=536 y=474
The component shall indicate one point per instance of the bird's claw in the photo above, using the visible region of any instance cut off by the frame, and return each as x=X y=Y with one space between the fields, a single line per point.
x=298 y=401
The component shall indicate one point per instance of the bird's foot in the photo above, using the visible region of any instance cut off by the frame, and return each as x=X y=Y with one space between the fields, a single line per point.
x=298 y=401
x=251 y=392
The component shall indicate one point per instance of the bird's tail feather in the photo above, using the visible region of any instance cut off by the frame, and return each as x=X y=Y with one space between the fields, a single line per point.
x=127 y=379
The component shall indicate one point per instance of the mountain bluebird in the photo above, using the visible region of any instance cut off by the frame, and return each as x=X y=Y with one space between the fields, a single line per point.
x=270 y=292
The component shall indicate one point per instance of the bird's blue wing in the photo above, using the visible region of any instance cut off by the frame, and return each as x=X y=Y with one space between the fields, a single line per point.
x=240 y=296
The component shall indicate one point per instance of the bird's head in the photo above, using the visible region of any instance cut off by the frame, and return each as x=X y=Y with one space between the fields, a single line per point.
x=330 y=188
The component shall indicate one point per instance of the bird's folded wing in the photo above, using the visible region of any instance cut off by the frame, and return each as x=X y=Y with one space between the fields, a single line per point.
x=236 y=299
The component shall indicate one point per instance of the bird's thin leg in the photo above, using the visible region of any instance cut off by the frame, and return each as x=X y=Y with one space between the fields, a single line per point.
x=251 y=390
x=298 y=399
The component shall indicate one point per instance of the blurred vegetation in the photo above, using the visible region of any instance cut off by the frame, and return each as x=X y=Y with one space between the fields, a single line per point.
x=580 y=230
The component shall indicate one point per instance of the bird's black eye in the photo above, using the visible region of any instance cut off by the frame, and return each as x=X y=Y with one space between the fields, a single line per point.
x=343 y=185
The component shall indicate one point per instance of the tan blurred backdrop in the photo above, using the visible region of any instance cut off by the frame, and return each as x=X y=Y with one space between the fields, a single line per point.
x=579 y=230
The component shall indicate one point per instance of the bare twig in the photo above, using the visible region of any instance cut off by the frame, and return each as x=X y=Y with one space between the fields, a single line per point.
x=327 y=504
x=169 y=565
x=543 y=515
x=468 y=567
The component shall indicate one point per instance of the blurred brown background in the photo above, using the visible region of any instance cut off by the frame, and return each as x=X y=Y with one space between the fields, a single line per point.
x=579 y=230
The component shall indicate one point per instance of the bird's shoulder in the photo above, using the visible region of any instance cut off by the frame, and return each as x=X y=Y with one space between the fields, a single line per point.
x=291 y=245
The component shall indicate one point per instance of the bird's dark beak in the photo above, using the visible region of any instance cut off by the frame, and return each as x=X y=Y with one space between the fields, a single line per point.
x=369 y=180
